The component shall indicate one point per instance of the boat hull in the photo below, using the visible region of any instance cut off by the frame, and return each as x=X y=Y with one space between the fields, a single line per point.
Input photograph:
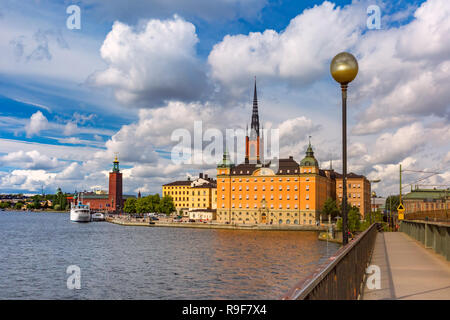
x=80 y=216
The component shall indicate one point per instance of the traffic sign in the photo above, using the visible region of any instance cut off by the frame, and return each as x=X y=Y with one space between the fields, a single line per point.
x=401 y=216
x=400 y=208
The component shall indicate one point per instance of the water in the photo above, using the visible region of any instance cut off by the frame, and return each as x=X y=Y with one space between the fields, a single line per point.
x=120 y=262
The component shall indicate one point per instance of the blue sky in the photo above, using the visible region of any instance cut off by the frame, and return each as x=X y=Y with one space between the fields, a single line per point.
x=70 y=99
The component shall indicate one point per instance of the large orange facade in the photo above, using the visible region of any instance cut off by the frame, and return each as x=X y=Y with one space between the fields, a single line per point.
x=256 y=194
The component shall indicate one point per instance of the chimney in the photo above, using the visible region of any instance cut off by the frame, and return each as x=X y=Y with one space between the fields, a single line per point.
x=200 y=175
x=206 y=177
x=291 y=157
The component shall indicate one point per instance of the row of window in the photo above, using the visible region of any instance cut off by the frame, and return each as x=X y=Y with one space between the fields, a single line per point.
x=355 y=195
x=272 y=214
x=186 y=205
x=263 y=188
x=280 y=206
x=264 y=179
x=350 y=185
x=263 y=197
x=166 y=193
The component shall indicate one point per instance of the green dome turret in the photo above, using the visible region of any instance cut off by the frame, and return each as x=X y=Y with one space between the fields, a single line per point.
x=309 y=160
x=226 y=162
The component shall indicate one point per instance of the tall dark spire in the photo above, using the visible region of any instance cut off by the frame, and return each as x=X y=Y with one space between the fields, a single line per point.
x=255 y=117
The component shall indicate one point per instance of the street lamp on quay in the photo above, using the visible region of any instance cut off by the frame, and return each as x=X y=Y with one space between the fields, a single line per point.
x=343 y=69
x=374 y=195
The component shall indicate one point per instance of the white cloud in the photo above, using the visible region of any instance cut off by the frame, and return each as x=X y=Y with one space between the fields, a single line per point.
x=299 y=54
x=152 y=63
x=404 y=72
x=29 y=160
x=37 y=123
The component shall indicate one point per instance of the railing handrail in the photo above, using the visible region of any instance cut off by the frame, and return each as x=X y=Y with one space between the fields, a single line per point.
x=304 y=287
x=436 y=223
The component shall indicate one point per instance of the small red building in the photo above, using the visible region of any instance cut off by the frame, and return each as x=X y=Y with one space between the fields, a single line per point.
x=113 y=201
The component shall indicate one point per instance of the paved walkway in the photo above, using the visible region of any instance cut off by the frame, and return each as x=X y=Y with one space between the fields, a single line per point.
x=408 y=270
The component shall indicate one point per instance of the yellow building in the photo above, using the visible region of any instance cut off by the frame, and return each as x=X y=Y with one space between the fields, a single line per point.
x=188 y=195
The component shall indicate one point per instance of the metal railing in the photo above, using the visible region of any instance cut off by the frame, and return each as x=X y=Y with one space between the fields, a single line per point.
x=341 y=277
x=432 y=235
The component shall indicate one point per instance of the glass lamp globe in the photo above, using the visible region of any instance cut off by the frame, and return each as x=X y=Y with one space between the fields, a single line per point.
x=344 y=67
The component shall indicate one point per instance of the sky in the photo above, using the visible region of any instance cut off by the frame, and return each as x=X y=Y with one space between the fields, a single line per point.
x=137 y=71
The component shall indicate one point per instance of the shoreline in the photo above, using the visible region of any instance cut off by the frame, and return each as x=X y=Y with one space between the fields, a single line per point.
x=216 y=226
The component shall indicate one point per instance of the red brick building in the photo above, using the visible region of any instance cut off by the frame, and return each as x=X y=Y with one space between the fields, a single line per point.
x=111 y=202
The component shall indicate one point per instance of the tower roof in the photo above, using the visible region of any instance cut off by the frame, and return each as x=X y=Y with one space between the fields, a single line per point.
x=309 y=159
x=226 y=162
x=115 y=164
x=255 y=117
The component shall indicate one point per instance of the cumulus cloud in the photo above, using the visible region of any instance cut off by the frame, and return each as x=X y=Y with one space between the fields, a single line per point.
x=299 y=54
x=297 y=129
x=29 y=160
x=404 y=72
x=37 y=123
x=152 y=63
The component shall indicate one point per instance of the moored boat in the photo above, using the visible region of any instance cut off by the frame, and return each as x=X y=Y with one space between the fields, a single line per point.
x=97 y=216
x=79 y=212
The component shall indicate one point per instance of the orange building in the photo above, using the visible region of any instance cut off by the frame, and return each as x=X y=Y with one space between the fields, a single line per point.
x=358 y=192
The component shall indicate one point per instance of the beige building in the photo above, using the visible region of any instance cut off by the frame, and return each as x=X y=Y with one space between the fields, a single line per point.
x=202 y=214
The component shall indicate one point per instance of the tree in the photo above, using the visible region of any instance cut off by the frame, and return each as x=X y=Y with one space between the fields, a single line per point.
x=392 y=203
x=60 y=199
x=330 y=208
x=353 y=219
x=166 y=205
x=130 y=205
x=148 y=204
x=5 y=205
x=18 y=205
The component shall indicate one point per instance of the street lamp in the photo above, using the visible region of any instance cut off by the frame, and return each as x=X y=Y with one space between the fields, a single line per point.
x=343 y=69
x=374 y=195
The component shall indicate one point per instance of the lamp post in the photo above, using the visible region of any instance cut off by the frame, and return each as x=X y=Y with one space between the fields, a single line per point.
x=374 y=195
x=343 y=69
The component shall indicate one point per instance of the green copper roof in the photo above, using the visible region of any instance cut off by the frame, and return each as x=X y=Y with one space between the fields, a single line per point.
x=226 y=162
x=309 y=160
x=421 y=194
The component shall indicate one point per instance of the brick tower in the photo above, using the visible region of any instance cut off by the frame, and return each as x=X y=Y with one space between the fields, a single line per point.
x=115 y=188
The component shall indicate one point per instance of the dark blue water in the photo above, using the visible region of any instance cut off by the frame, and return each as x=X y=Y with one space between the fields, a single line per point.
x=120 y=262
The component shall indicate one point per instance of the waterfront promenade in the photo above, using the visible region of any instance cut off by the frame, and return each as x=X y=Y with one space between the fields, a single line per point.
x=144 y=222
x=409 y=271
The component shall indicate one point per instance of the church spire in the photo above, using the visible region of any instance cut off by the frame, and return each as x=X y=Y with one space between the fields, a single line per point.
x=255 y=117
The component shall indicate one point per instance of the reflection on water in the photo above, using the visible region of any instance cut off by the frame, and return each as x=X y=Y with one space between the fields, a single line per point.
x=149 y=263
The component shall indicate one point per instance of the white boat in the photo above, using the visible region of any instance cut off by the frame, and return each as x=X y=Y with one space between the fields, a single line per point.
x=79 y=212
x=97 y=216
